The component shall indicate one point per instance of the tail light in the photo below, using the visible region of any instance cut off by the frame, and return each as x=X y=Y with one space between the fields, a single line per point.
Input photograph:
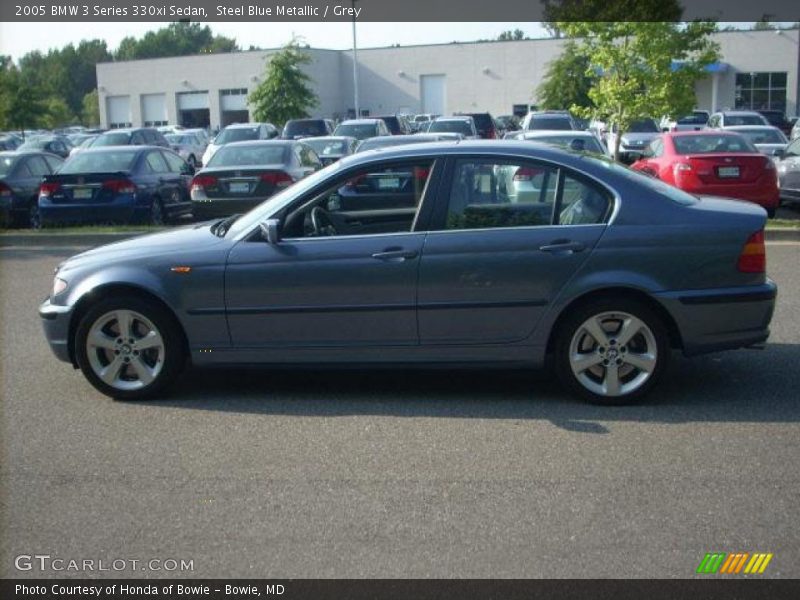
x=279 y=179
x=120 y=186
x=49 y=188
x=526 y=173
x=753 y=258
x=770 y=165
x=491 y=134
x=5 y=191
x=204 y=181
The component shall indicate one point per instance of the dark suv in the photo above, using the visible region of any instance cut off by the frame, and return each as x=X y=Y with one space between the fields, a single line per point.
x=302 y=128
x=397 y=124
x=777 y=118
x=138 y=136
x=485 y=124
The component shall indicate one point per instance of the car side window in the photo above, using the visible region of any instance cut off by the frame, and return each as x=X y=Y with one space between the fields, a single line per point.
x=582 y=202
x=793 y=149
x=487 y=194
x=22 y=170
x=156 y=163
x=175 y=163
x=373 y=200
x=656 y=149
x=37 y=166
x=53 y=163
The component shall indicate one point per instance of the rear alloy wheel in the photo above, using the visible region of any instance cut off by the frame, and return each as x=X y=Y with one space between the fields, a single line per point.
x=129 y=348
x=612 y=351
x=156 y=212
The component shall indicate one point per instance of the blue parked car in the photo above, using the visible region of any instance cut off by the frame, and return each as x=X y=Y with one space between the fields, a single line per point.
x=117 y=184
x=20 y=176
x=442 y=261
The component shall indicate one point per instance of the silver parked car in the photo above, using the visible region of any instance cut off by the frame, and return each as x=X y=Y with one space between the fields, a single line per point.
x=789 y=171
x=734 y=118
x=332 y=148
x=362 y=129
x=578 y=141
x=420 y=255
x=188 y=146
x=460 y=124
x=241 y=175
x=768 y=139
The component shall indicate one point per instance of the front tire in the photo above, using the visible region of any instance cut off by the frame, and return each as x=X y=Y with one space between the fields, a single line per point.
x=129 y=348
x=611 y=351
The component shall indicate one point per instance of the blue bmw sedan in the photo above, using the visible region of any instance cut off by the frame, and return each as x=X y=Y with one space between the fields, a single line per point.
x=119 y=184
x=603 y=270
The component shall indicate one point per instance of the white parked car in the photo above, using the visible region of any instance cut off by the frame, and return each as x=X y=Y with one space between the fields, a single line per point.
x=239 y=132
x=768 y=139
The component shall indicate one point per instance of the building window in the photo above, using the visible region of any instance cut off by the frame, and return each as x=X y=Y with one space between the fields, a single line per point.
x=155 y=123
x=234 y=92
x=119 y=125
x=761 y=91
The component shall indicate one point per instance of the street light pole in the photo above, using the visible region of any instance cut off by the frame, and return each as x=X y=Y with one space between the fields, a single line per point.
x=355 y=62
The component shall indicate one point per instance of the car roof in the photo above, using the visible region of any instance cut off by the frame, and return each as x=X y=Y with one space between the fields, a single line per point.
x=333 y=138
x=136 y=148
x=703 y=132
x=751 y=127
x=740 y=112
x=454 y=118
x=243 y=125
x=556 y=133
x=263 y=143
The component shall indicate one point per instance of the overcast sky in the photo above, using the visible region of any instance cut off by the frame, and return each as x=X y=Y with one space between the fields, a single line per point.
x=17 y=39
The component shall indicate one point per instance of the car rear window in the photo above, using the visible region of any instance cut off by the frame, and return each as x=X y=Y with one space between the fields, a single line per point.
x=764 y=136
x=570 y=142
x=234 y=156
x=693 y=120
x=237 y=134
x=733 y=120
x=450 y=127
x=483 y=121
x=313 y=127
x=645 y=126
x=358 y=131
x=558 y=123
x=112 y=139
x=712 y=144
x=100 y=162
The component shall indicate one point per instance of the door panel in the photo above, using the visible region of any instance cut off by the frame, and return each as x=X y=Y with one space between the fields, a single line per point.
x=325 y=291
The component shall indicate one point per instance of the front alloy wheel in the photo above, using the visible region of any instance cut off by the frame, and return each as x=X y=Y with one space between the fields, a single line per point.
x=128 y=348
x=612 y=352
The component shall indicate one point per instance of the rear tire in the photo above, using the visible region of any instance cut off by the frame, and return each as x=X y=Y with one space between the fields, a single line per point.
x=611 y=351
x=157 y=212
x=771 y=213
x=129 y=348
x=35 y=217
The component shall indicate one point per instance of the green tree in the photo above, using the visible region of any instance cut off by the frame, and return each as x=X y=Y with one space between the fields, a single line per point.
x=508 y=36
x=177 y=39
x=285 y=92
x=23 y=104
x=567 y=81
x=56 y=113
x=90 y=115
x=763 y=24
x=645 y=69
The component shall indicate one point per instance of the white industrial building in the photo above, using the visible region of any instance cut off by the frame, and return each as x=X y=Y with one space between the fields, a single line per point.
x=758 y=69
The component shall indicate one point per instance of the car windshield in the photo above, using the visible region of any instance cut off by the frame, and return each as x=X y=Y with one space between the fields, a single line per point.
x=557 y=123
x=711 y=144
x=236 y=134
x=273 y=204
x=570 y=142
x=232 y=156
x=733 y=120
x=645 y=126
x=693 y=120
x=327 y=147
x=312 y=128
x=360 y=131
x=6 y=164
x=100 y=162
x=764 y=136
x=456 y=126
x=112 y=139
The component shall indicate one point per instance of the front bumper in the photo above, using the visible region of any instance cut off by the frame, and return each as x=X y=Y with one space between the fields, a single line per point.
x=721 y=319
x=56 y=321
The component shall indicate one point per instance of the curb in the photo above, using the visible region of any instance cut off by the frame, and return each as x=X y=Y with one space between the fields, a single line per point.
x=782 y=234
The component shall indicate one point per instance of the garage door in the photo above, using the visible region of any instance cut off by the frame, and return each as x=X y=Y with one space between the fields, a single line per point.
x=154 y=110
x=118 y=110
x=192 y=100
x=433 y=94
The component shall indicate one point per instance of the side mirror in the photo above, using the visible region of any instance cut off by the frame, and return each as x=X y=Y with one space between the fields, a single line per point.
x=269 y=230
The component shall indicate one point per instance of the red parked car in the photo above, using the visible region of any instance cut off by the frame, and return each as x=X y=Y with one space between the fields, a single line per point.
x=713 y=163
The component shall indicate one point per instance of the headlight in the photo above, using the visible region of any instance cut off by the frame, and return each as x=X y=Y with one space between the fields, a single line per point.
x=59 y=285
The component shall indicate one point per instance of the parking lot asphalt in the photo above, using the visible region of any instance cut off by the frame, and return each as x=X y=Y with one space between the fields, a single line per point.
x=398 y=473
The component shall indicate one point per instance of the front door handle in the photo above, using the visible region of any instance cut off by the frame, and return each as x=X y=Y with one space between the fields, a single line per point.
x=563 y=247
x=395 y=255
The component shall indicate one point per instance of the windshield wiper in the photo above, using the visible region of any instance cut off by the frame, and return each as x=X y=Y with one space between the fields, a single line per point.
x=221 y=227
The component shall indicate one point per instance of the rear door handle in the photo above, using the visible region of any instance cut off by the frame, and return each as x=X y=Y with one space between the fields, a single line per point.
x=563 y=247
x=395 y=255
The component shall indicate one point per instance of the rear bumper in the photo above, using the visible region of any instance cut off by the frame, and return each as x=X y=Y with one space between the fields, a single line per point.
x=56 y=320
x=723 y=318
x=117 y=212
x=766 y=196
